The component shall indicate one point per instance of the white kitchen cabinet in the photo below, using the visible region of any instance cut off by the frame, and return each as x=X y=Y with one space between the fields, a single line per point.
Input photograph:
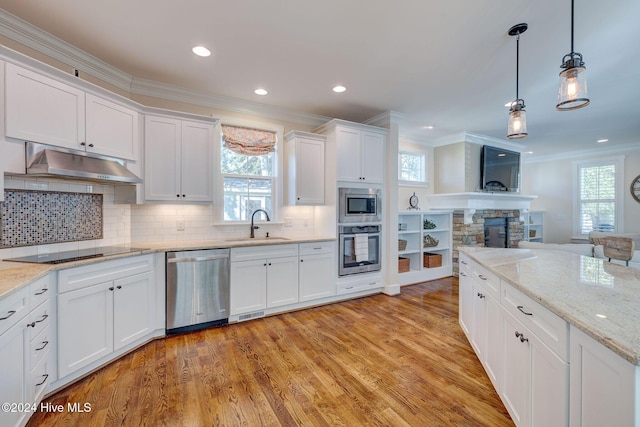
x=305 y=166
x=359 y=283
x=111 y=128
x=42 y=109
x=263 y=277
x=317 y=270
x=522 y=346
x=604 y=386
x=536 y=380
x=178 y=160
x=481 y=317
x=360 y=150
x=102 y=308
x=14 y=360
x=25 y=342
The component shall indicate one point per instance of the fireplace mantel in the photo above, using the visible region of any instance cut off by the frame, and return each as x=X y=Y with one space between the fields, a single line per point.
x=470 y=202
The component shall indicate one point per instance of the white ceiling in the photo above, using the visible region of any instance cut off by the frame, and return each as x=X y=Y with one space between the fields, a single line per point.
x=450 y=64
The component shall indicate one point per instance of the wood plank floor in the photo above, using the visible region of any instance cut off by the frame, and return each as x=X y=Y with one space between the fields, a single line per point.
x=379 y=361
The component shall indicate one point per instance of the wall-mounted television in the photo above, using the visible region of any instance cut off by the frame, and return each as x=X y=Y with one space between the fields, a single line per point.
x=500 y=169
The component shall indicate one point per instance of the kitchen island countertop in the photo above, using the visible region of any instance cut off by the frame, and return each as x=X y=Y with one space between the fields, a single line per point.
x=599 y=298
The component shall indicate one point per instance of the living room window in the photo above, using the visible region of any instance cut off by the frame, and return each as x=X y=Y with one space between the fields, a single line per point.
x=598 y=196
x=411 y=167
x=248 y=171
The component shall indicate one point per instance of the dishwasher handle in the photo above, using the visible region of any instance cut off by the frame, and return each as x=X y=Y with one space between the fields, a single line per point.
x=197 y=258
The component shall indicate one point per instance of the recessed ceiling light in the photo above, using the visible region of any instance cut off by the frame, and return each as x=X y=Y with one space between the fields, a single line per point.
x=339 y=89
x=260 y=91
x=201 y=51
x=427 y=127
x=529 y=152
x=602 y=141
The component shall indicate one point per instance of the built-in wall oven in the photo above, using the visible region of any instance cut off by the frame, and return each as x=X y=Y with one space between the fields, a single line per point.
x=359 y=205
x=359 y=249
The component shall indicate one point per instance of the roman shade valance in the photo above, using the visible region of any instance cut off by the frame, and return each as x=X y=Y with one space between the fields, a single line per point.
x=253 y=142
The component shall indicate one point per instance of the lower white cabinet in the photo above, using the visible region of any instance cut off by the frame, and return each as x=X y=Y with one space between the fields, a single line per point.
x=102 y=308
x=25 y=341
x=536 y=381
x=263 y=277
x=604 y=386
x=317 y=273
x=522 y=346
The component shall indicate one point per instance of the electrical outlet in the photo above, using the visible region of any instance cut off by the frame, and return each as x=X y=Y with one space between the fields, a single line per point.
x=180 y=225
x=288 y=222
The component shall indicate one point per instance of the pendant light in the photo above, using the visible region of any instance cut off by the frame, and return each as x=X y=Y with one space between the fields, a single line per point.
x=517 y=127
x=573 y=80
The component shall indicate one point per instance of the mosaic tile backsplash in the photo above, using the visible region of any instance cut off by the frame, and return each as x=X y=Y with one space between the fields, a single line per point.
x=32 y=217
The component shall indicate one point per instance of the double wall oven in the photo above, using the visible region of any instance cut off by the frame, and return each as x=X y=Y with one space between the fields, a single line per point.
x=359 y=229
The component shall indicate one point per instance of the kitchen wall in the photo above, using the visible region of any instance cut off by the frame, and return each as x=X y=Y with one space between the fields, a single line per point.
x=422 y=190
x=552 y=181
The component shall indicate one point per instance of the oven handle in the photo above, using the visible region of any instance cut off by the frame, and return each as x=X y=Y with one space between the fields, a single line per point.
x=377 y=233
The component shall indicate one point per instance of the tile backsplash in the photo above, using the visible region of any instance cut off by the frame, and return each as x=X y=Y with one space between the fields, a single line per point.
x=35 y=217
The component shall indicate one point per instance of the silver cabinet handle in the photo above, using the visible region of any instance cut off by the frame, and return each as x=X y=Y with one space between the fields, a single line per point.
x=521 y=308
x=197 y=258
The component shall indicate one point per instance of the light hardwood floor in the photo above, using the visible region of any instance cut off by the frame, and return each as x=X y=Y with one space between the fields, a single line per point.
x=379 y=361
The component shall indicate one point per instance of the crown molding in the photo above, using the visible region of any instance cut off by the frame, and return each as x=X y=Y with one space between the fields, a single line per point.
x=572 y=155
x=32 y=37
x=386 y=119
x=476 y=138
x=175 y=93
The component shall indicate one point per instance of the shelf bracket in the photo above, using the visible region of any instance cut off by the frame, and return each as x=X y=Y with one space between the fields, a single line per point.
x=468 y=216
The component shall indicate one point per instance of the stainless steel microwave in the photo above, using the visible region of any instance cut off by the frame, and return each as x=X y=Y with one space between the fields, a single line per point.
x=359 y=205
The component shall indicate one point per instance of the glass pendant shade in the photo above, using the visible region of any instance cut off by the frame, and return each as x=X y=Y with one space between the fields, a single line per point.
x=573 y=88
x=517 y=127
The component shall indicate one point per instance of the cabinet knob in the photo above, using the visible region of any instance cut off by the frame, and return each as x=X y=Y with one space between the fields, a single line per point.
x=31 y=325
x=480 y=295
x=83 y=144
x=184 y=195
x=111 y=288
x=301 y=260
x=119 y=287
x=177 y=195
x=91 y=145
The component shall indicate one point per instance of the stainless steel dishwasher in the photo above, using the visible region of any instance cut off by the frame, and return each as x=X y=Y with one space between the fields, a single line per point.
x=197 y=289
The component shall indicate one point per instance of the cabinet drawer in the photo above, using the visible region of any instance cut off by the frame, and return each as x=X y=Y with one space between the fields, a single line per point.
x=316 y=248
x=38 y=320
x=39 y=291
x=13 y=308
x=263 y=252
x=39 y=380
x=349 y=286
x=487 y=279
x=549 y=328
x=40 y=347
x=87 y=275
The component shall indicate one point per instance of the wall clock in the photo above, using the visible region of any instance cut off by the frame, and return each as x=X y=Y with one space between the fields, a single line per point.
x=635 y=188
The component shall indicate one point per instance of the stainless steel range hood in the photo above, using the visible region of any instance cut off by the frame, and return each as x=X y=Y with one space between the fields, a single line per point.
x=45 y=160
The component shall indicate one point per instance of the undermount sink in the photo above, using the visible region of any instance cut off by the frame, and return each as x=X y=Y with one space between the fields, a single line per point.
x=255 y=239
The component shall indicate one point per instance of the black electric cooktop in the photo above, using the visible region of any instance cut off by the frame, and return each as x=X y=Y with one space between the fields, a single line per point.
x=68 y=256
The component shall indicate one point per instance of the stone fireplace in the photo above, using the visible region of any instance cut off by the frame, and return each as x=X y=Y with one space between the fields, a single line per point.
x=470 y=211
x=473 y=233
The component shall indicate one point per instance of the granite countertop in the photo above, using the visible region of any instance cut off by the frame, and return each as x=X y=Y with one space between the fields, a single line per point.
x=597 y=297
x=16 y=275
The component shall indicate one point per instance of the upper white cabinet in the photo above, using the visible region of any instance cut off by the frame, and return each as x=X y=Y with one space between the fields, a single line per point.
x=305 y=165
x=178 y=160
x=360 y=151
x=360 y=156
x=42 y=109
x=111 y=129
